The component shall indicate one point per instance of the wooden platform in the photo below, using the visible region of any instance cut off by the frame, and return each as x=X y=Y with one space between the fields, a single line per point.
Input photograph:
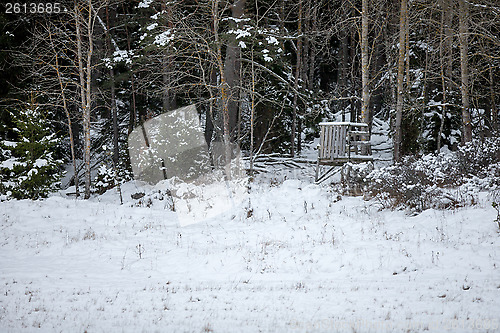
x=342 y=142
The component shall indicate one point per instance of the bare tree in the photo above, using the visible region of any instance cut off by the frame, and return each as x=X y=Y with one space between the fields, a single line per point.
x=403 y=16
x=232 y=66
x=445 y=55
x=296 y=81
x=494 y=111
x=85 y=16
x=365 y=66
x=114 y=109
x=464 y=67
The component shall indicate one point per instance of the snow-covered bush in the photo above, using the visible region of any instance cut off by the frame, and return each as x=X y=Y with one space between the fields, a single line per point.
x=446 y=180
x=409 y=184
x=28 y=166
x=108 y=177
x=480 y=158
x=354 y=178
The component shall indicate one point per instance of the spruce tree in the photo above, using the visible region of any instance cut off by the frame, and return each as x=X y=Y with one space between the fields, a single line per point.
x=29 y=168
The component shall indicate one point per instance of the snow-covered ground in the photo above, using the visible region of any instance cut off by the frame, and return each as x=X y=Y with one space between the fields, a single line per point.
x=293 y=257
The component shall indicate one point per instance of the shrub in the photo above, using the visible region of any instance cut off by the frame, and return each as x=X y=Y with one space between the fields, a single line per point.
x=476 y=157
x=354 y=178
x=446 y=180
x=109 y=177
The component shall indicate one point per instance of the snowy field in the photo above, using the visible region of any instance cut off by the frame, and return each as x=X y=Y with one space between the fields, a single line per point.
x=294 y=257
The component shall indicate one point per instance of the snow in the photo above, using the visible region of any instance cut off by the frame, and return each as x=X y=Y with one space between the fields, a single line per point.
x=236 y=20
x=119 y=56
x=152 y=26
x=292 y=257
x=10 y=143
x=144 y=4
x=341 y=123
x=240 y=33
x=265 y=54
x=31 y=173
x=41 y=162
x=164 y=38
x=157 y=15
x=122 y=55
x=11 y=163
x=272 y=40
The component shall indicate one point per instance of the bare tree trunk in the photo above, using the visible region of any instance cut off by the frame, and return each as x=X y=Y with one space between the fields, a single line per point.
x=445 y=57
x=114 y=114
x=88 y=106
x=282 y=23
x=306 y=29
x=494 y=111
x=209 y=117
x=344 y=40
x=224 y=92
x=169 y=100
x=84 y=92
x=399 y=105
x=231 y=69
x=114 y=111
x=296 y=83
x=365 y=75
x=388 y=47
x=133 y=109
x=425 y=88
x=354 y=84
x=464 y=66
x=252 y=117
x=407 y=47
x=166 y=80
x=312 y=57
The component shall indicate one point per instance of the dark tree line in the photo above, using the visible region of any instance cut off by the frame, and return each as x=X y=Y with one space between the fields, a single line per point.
x=262 y=73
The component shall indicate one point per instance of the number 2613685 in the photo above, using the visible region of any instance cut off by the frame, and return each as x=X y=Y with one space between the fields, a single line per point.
x=34 y=8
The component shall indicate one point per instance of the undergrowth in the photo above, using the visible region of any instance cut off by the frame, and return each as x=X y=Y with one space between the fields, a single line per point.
x=445 y=180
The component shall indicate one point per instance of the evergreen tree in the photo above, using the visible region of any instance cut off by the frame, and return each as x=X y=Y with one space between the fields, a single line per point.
x=29 y=168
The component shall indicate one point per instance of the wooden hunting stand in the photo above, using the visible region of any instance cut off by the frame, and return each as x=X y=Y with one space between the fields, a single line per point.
x=340 y=143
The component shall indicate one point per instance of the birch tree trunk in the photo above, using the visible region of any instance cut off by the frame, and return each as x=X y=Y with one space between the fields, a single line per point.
x=88 y=105
x=85 y=75
x=464 y=67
